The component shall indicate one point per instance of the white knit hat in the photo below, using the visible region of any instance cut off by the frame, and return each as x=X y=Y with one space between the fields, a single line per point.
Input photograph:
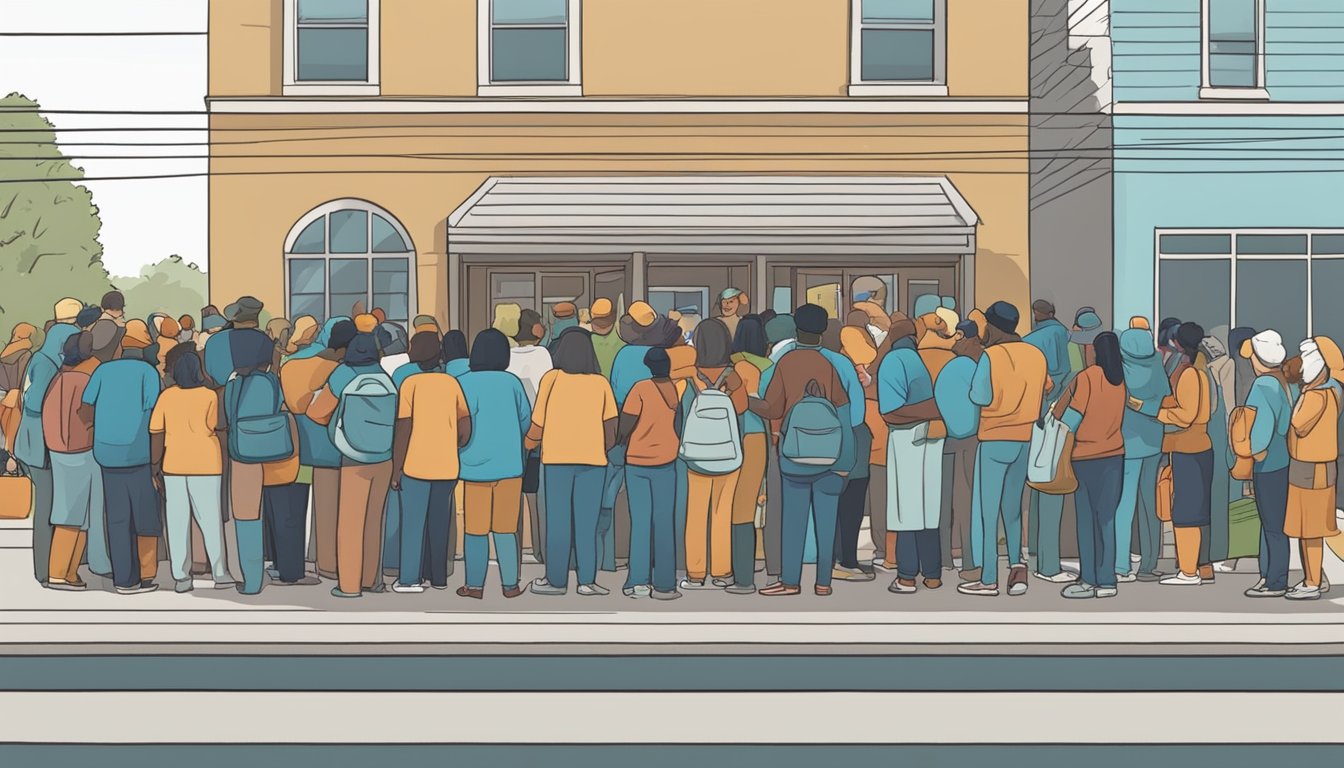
x=1268 y=346
x=1312 y=361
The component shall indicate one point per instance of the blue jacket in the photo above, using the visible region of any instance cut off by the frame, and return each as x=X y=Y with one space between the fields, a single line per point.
x=500 y=417
x=629 y=369
x=1052 y=338
x=1145 y=380
x=1273 y=416
x=30 y=447
x=902 y=379
x=952 y=392
x=123 y=394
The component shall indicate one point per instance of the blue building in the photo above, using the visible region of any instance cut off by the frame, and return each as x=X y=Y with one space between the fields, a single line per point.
x=1229 y=163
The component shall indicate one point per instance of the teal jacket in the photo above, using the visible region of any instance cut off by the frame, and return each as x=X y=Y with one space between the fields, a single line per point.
x=30 y=446
x=1273 y=414
x=952 y=392
x=1052 y=338
x=902 y=379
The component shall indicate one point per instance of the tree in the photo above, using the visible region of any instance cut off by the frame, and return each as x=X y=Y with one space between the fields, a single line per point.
x=171 y=286
x=49 y=245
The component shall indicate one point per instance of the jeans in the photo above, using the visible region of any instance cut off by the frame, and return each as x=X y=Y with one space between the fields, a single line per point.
x=1138 y=499
x=392 y=531
x=428 y=516
x=1001 y=475
x=919 y=552
x=195 y=497
x=606 y=526
x=284 y=510
x=131 y=506
x=43 y=490
x=820 y=495
x=772 y=535
x=1098 y=496
x=851 y=509
x=573 y=500
x=1049 y=509
x=1271 y=500
x=651 y=491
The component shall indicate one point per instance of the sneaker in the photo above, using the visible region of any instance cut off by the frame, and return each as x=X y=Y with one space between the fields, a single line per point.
x=336 y=592
x=1325 y=584
x=1260 y=590
x=475 y=593
x=138 y=589
x=979 y=589
x=231 y=584
x=530 y=559
x=183 y=586
x=540 y=586
x=1225 y=566
x=880 y=564
x=722 y=583
x=1179 y=579
x=1126 y=578
x=841 y=573
x=511 y=592
x=1149 y=576
x=65 y=586
x=592 y=590
x=379 y=587
x=639 y=590
x=1107 y=592
x=740 y=589
x=1303 y=592
x=673 y=595
x=1017 y=580
x=693 y=585
x=407 y=589
x=1063 y=577
x=1079 y=591
x=970 y=574
x=306 y=581
x=933 y=583
x=902 y=587
x=1259 y=584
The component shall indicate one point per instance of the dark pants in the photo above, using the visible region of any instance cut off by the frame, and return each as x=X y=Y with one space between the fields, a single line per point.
x=772 y=534
x=1271 y=500
x=42 y=500
x=802 y=497
x=606 y=517
x=853 y=501
x=652 y=492
x=428 y=535
x=919 y=552
x=1098 y=496
x=744 y=554
x=284 y=509
x=131 y=508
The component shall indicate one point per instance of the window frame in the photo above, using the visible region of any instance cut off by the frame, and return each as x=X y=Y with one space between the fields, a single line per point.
x=1258 y=92
x=1233 y=255
x=369 y=256
x=292 y=86
x=861 y=87
x=572 y=85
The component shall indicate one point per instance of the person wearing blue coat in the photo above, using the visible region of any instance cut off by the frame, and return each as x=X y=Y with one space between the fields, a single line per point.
x=1146 y=382
x=952 y=394
x=1047 y=511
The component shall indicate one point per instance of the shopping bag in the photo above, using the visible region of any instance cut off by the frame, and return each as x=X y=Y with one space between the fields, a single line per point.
x=16 y=496
x=1050 y=458
x=1166 y=489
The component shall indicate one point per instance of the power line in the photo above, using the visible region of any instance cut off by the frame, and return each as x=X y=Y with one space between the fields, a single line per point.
x=138 y=33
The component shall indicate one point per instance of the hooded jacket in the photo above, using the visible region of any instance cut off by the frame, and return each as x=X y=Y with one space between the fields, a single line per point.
x=30 y=445
x=1146 y=381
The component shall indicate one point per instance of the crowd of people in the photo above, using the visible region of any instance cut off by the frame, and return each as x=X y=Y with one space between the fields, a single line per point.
x=342 y=449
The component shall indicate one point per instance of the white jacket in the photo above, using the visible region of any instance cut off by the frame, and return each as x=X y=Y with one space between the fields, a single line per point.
x=529 y=364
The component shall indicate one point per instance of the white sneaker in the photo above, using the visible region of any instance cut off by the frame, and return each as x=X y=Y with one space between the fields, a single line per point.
x=407 y=589
x=1107 y=591
x=592 y=590
x=1325 y=584
x=1063 y=577
x=1303 y=592
x=1127 y=578
x=1259 y=585
x=1225 y=566
x=1179 y=579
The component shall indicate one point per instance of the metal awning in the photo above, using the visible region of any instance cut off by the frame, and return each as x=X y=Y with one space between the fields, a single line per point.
x=715 y=214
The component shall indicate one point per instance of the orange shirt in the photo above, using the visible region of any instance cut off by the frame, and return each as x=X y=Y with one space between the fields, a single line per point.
x=434 y=403
x=654 y=441
x=187 y=419
x=1188 y=409
x=572 y=410
x=1102 y=405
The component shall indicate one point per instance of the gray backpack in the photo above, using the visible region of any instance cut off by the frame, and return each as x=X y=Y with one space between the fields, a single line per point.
x=711 y=439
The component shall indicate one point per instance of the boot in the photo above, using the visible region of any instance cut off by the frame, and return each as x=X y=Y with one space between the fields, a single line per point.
x=250 y=555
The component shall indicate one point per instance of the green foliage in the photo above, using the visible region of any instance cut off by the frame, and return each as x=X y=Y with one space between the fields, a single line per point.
x=49 y=245
x=172 y=286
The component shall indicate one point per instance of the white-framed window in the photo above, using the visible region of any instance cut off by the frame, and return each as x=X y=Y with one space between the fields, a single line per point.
x=331 y=47
x=1233 y=61
x=898 y=48
x=349 y=252
x=529 y=48
x=1282 y=279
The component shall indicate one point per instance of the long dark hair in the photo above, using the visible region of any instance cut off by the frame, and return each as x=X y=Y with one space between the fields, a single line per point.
x=1107 y=349
x=187 y=372
x=454 y=346
x=573 y=352
x=490 y=352
x=713 y=347
x=750 y=337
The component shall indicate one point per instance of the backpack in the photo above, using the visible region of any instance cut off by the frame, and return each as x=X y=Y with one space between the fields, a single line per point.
x=365 y=417
x=810 y=437
x=258 y=432
x=711 y=439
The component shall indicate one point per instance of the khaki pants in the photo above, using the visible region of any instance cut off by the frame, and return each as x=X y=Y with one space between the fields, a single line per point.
x=67 y=549
x=749 y=479
x=709 y=524
x=326 y=500
x=492 y=507
x=359 y=525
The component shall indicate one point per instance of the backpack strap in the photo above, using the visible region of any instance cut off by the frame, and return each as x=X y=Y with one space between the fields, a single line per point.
x=814 y=389
x=699 y=374
x=723 y=377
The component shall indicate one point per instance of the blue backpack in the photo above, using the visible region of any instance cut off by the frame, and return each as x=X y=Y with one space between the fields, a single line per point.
x=258 y=430
x=365 y=418
x=811 y=438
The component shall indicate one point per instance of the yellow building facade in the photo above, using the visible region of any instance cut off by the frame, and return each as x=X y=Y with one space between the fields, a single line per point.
x=447 y=157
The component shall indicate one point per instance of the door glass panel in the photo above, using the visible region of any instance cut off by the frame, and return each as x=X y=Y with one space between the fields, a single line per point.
x=556 y=289
x=917 y=290
x=824 y=291
x=510 y=293
x=878 y=289
x=1196 y=291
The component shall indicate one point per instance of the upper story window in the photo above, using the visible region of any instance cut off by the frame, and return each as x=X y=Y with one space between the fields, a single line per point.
x=528 y=48
x=1234 y=49
x=898 y=48
x=349 y=256
x=331 y=47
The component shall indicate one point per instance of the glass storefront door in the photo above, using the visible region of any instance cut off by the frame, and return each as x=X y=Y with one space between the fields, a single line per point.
x=837 y=288
x=496 y=294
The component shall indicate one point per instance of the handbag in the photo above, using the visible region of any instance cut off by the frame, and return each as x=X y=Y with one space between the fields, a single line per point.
x=1166 y=491
x=1050 y=457
x=16 y=495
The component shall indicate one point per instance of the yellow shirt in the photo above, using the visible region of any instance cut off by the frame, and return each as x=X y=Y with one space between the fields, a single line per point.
x=434 y=403
x=571 y=410
x=187 y=419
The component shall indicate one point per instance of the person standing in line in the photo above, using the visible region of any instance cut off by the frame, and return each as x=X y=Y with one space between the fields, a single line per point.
x=13 y=364
x=878 y=326
x=915 y=458
x=365 y=447
x=750 y=362
x=1313 y=450
x=1093 y=410
x=243 y=314
x=857 y=344
x=648 y=430
x=1010 y=385
x=1167 y=344
x=709 y=507
x=780 y=334
x=733 y=306
x=425 y=355
x=936 y=334
x=492 y=464
x=607 y=342
x=961 y=418
x=1188 y=410
x=30 y=448
x=433 y=423
x=187 y=459
x=123 y=393
x=566 y=316
x=574 y=423
x=530 y=361
x=1046 y=512
x=67 y=427
x=1273 y=406
x=1146 y=383
x=816 y=448
x=456 y=357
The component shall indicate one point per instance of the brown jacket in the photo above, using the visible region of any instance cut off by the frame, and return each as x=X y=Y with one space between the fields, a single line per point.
x=793 y=373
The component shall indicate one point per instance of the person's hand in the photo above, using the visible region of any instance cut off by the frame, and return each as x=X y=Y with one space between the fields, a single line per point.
x=396 y=481
x=11 y=466
x=157 y=478
x=1134 y=403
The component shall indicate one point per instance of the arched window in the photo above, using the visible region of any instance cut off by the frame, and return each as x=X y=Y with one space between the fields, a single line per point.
x=347 y=252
